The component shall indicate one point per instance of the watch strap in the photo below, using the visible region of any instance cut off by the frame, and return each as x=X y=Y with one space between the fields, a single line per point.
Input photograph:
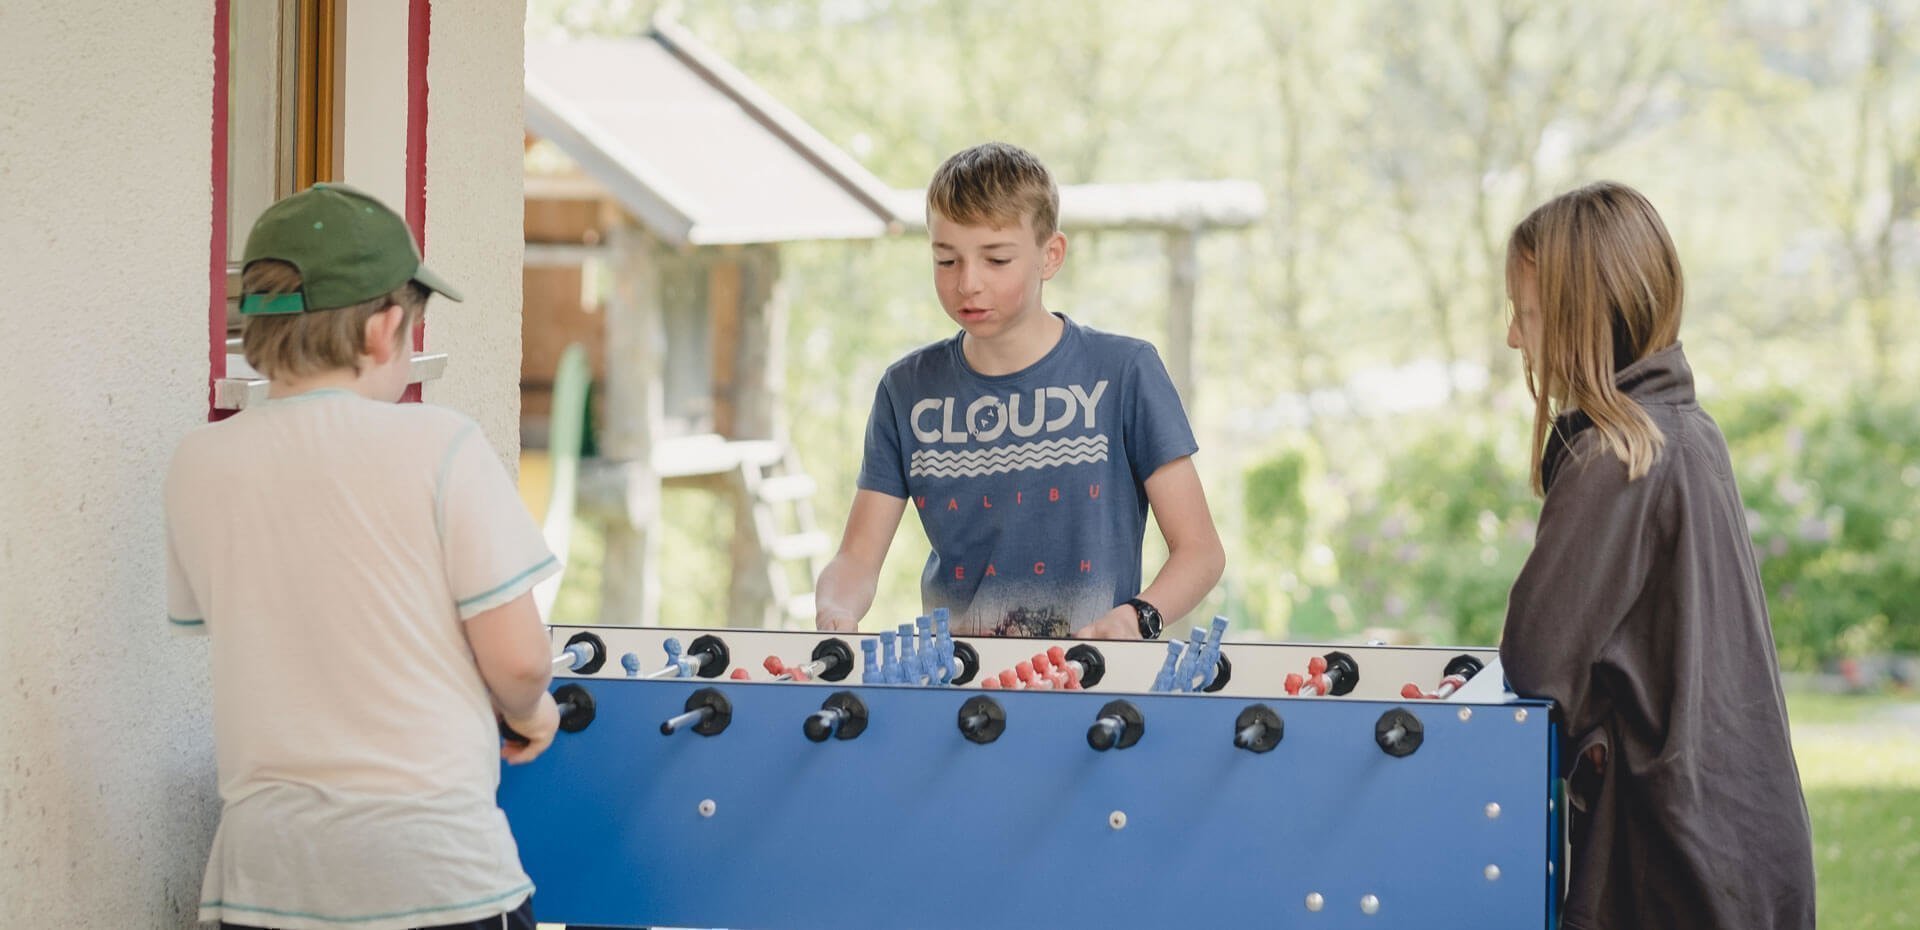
x=1151 y=623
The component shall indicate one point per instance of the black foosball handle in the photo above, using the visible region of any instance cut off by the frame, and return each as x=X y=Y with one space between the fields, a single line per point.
x=1119 y=726
x=576 y=712
x=842 y=716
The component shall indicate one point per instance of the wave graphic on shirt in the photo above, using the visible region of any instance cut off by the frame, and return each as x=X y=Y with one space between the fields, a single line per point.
x=976 y=463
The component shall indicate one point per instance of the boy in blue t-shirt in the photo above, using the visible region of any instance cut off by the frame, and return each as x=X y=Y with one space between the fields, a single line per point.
x=1030 y=445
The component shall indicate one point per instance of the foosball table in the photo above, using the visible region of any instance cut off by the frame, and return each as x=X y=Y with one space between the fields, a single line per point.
x=794 y=780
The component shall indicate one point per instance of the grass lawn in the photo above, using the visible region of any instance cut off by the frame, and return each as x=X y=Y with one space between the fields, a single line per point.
x=1860 y=765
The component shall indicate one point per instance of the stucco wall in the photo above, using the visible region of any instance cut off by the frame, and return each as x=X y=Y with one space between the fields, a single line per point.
x=107 y=797
x=106 y=794
x=474 y=210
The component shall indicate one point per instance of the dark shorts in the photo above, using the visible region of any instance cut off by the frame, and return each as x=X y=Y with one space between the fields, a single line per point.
x=520 y=918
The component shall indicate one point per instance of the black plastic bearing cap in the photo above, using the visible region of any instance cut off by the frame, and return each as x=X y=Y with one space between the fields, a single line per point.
x=1093 y=665
x=969 y=661
x=1222 y=673
x=719 y=711
x=1465 y=666
x=599 y=656
x=1119 y=726
x=715 y=649
x=1269 y=729
x=840 y=653
x=982 y=719
x=576 y=707
x=1342 y=672
x=1398 y=733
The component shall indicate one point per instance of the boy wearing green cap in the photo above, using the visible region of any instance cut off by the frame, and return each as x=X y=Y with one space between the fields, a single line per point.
x=363 y=570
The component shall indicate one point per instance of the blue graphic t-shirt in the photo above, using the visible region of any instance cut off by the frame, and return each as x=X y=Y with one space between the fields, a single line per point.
x=1031 y=486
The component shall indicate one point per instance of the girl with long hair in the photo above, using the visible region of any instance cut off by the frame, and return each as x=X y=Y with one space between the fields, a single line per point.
x=1640 y=610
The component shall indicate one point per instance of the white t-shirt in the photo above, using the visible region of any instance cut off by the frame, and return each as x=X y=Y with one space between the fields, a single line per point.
x=331 y=547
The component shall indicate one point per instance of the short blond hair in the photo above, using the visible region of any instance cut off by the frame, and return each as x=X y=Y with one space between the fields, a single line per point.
x=996 y=185
x=1611 y=291
x=299 y=345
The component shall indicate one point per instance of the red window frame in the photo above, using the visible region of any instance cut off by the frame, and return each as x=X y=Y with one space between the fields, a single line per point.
x=419 y=21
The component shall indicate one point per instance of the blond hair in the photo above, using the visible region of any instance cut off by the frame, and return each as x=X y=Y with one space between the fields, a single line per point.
x=1610 y=294
x=299 y=345
x=996 y=185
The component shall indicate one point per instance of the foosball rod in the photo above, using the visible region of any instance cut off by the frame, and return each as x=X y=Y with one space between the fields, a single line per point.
x=707 y=658
x=576 y=655
x=584 y=653
x=1458 y=672
x=707 y=712
x=697 y=715
x=829 y=656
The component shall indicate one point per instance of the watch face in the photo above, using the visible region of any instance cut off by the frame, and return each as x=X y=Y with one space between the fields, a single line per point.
x=1149 y=618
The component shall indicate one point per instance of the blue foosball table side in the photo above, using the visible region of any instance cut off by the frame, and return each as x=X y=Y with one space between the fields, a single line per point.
x=914 y=819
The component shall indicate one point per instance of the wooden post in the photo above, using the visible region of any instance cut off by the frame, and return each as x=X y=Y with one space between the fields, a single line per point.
x=1183 y=271
x=756 y=375
x=723 y=327
x=630 y=578
x=759 y=368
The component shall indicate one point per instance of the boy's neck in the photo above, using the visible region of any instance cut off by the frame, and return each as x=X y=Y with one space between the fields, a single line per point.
x=339 y=379
x=1017 y=348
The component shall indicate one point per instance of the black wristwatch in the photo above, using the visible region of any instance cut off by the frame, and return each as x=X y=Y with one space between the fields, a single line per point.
x=1150 y=622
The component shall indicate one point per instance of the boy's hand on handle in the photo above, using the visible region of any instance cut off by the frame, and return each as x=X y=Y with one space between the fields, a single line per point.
x=836 y=621
x=536 y=729
x=1119 y=623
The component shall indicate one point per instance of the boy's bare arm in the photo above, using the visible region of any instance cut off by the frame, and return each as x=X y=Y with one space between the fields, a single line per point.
x=1195 y=557
x=845 y=590
x=510 y=646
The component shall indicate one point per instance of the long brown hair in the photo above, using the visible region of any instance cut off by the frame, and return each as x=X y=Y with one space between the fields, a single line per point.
x=1610 y=294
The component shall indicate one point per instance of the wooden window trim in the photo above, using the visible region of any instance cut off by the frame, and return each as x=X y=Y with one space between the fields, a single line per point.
x=311 y=119
x=318 y=116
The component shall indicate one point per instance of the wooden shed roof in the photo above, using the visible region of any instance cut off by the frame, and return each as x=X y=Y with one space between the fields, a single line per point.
x=701 y=155
x=692 y=147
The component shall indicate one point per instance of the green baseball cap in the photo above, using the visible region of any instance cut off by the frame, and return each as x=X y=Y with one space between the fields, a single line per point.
x=348 y=247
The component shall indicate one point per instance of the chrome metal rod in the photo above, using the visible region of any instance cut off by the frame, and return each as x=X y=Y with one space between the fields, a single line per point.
x=690 y=718
x=1250 y=735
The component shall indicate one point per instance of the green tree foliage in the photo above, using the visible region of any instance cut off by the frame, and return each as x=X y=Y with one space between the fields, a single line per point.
x=1432 y=548
x=1426 y=541
x=1830 y=491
